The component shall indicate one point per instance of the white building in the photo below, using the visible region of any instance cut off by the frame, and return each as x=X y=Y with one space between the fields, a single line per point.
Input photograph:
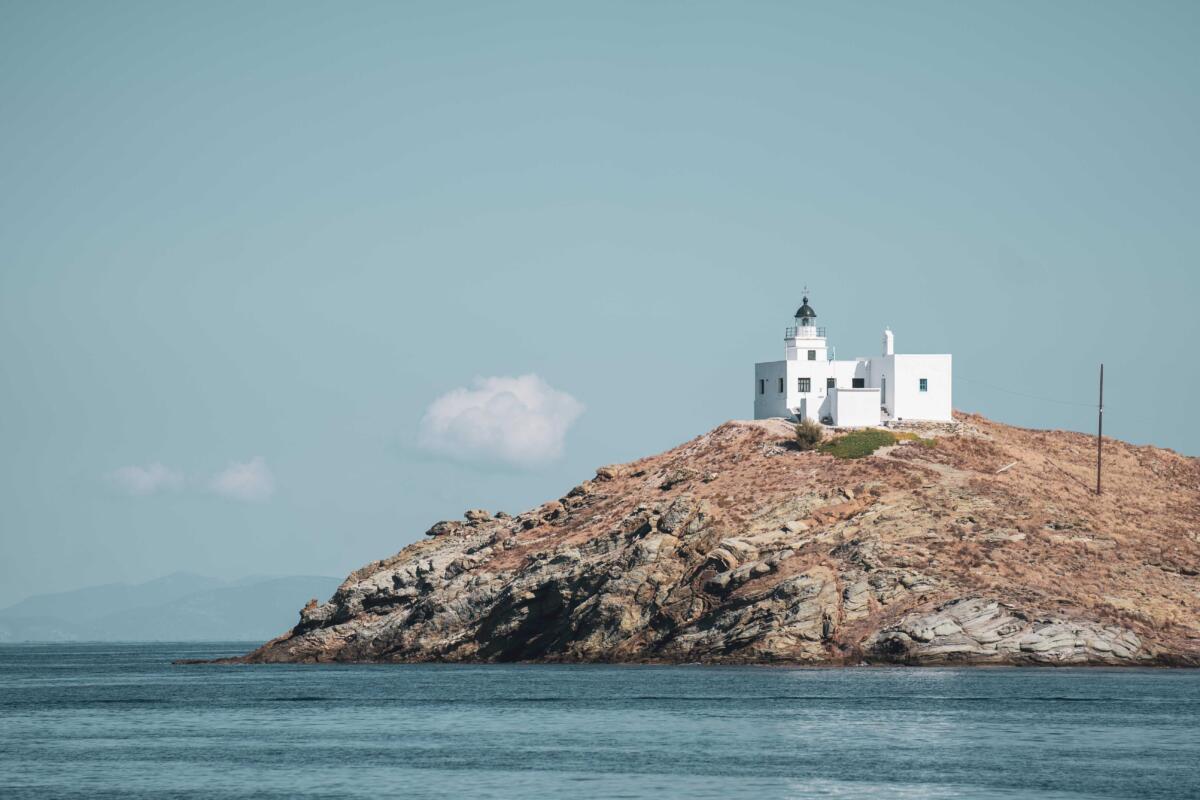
x=808 y=384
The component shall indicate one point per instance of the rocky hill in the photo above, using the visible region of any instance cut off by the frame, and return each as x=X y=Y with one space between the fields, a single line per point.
x=986 y=545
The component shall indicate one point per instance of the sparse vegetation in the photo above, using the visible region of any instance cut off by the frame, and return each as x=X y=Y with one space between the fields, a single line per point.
x=809 y=434
x=858 y=444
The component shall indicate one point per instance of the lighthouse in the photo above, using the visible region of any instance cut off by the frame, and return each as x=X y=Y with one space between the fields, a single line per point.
x=859 y=392
x=805 y=339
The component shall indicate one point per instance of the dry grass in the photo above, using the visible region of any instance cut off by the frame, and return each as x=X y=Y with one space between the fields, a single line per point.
x=808 y=434
x=1035 y=536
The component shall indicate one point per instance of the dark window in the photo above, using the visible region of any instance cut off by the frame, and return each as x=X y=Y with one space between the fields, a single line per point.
x=804 y=384
x=858 y=383
x=830 y=383
x=762 y=386
x=812 y=355
x=924 y=384
x=781 y=384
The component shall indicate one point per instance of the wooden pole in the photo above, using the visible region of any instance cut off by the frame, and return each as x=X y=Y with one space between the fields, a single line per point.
x=1100 y=430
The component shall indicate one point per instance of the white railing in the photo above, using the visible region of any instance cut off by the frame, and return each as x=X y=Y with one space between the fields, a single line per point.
x=804 y=332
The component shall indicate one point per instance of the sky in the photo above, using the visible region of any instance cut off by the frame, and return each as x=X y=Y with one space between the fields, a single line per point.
x=282 y=284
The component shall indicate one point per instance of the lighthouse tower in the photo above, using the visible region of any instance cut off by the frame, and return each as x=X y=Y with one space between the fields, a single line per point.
x=805 y=340
x=797 y=386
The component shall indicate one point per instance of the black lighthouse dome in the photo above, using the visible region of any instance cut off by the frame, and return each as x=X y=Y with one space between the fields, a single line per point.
x=805 y=311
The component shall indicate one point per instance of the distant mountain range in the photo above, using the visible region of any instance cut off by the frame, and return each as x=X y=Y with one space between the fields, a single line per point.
x=178 y=607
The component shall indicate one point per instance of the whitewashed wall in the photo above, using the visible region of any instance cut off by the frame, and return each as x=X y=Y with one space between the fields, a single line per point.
x=772 y=402
x=910 y=401
x=855 y=408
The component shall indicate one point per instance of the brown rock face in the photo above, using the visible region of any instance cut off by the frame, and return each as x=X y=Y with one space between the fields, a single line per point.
x=736 y=548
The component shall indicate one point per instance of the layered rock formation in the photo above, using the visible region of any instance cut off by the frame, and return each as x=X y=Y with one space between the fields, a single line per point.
x=988 y=547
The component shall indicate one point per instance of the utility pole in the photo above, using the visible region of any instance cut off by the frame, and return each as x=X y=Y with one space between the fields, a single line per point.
x=1100 y=430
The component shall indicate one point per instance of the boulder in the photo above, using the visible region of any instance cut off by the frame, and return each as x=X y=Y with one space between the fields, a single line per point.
x=445 y=528
x=608 y=473
x=676 y=476
x=677 y=514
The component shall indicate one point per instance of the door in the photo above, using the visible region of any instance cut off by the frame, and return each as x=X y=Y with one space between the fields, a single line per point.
x=883 y=391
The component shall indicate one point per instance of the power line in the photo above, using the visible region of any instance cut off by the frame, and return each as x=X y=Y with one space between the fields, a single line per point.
x=1023 y=394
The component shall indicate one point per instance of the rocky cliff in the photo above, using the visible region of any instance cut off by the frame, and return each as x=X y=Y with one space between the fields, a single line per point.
x=986 y=545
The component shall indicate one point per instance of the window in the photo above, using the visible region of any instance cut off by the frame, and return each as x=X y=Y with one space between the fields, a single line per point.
x=812 y=355
x=858 y=383
x=804 y=385
x=781 y=384
x=762 y=386
x=924 y=384
x=830 y=383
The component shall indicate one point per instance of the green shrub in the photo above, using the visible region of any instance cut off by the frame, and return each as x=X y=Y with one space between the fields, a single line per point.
x=858 y=444
x=808 y=434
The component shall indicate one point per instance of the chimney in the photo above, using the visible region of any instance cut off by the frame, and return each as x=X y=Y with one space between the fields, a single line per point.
x=889 y=342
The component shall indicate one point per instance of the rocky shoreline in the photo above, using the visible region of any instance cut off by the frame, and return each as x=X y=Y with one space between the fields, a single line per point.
x=737 y=548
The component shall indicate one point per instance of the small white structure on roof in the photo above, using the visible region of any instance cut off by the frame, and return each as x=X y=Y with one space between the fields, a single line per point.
x=859 y=392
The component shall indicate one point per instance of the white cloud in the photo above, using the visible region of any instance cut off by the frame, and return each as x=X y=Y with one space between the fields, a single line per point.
x=521 y=421
x=146 y=480
x=251 y=480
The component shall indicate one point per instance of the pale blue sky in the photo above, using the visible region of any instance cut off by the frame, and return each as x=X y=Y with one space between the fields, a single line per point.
x=232 y=231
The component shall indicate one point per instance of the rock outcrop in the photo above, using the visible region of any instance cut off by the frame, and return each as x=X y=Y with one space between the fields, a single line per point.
x=737 y=548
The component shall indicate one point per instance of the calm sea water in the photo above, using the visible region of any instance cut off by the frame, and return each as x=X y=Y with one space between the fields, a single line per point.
x=119 y=721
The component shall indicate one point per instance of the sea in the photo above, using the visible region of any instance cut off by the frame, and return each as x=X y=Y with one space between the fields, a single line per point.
x=120 y=721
